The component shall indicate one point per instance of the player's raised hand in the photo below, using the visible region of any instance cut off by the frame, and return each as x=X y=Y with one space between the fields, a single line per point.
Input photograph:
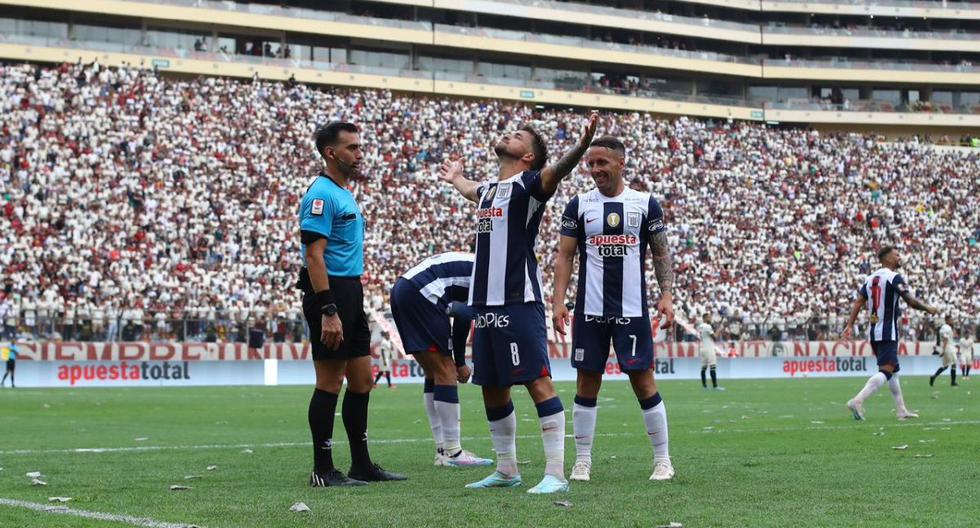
x=589 y=131
x=451 y=170
x=559 y=317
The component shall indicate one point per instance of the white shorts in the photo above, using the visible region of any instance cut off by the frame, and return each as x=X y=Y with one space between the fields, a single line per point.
x=949 y=357
x=708 y=357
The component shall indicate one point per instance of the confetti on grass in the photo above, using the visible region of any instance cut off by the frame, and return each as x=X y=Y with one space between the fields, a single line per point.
x=299 y=507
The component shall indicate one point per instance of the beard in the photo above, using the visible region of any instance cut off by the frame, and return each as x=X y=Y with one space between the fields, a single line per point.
x=500 y=149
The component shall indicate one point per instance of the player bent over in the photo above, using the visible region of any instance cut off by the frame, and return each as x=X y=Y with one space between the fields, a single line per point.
x=879 y=296
x=510 y=345
x=611 y=227
x=422 y=301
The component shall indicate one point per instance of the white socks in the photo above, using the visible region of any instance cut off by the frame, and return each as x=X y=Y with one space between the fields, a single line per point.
x=655 y=419
x=553 y=436
x=449 y=416
x=503 y=433
x=583 y=424
x=874 y=383
x=435 y=424
x=896 y=388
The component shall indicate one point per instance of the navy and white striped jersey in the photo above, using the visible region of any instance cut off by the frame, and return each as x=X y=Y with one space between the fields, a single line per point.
x=443 y=278
x=612 y=236
x=506 y=270
x=882 y=290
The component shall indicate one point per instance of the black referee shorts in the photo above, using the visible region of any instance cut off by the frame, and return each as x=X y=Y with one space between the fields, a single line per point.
x=11 y=365
x=349 y=295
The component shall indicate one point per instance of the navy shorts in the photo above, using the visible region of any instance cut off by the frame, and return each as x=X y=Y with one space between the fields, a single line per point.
x=886 y=352
x=630 y=336
x=510 y=345
x=422 y=325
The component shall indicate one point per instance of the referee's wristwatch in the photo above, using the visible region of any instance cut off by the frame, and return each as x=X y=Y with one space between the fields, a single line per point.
x=329 y=310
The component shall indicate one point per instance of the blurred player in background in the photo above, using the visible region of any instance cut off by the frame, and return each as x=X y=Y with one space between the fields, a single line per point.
x=709 y=352
x=879 y=296
x=966 y=351
x=510 y=345
x=386 y=354
x=8 y=353
x=947 y=353
x=423 y=301
x=610 y=228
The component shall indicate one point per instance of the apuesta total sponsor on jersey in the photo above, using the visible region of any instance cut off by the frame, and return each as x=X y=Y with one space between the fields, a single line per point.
x=613 y=245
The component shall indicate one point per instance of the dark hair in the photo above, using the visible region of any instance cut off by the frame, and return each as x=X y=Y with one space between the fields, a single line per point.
x=611 y=143
x=538 y=147
x=884 y=251
x=326 y=135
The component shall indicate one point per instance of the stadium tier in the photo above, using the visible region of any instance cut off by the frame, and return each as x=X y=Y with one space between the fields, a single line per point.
x=135 y=195
x=899 y=65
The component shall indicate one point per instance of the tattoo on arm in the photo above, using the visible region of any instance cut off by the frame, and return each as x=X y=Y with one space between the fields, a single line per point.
x=914 y=303
x=663 y=264
x=563 y=167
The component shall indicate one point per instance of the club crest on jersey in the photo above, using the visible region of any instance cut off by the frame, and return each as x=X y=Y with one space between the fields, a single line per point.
x=317 y=208
x=633 y=219
x=503 y=190
x=613 y=219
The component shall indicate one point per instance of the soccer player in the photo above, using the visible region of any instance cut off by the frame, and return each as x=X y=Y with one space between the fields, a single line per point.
x=966 y=351
x=709 y=355
x=385 y=357
x=332 y=237
x=9 y=355
x=947 y=351
x=422 y=302
x=879 y=296
x=510 y=345
x=611 y=227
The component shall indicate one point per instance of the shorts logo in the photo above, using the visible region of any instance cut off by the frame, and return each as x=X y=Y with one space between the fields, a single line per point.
x=633 y=219
x=317 y=209
x=492 y=320
x=613 y=219
x=607 y=320
x=579 y=354
x=503 y=190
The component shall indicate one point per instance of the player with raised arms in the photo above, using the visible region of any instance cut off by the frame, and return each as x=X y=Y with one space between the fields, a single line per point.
x=510 y=344
x=611 y=227
x=879 y=296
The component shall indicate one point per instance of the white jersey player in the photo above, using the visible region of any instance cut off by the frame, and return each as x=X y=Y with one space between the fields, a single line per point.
x=947 y=352
x=966 y=351
x=709 y=352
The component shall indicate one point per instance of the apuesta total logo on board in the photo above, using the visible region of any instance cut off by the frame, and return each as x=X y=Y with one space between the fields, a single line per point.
x=124 y=371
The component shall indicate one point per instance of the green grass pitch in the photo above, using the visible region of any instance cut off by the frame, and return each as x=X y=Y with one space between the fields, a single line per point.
x=764 y=453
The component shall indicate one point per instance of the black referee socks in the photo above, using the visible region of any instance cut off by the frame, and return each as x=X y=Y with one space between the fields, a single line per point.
x=323 y=405
x=355 y=415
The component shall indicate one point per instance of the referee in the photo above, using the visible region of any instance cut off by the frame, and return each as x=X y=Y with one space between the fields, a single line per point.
x=332 y=236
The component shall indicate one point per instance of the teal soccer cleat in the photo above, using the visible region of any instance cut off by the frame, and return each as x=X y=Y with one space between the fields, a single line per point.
x=496 y=480
x=549 y=484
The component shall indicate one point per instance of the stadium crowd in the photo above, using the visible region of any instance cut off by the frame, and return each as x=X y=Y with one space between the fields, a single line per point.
x=134 y=205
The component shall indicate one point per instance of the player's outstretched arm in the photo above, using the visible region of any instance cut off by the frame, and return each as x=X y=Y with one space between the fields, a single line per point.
x=452 y=172
x=855 y=310
x=563 y=274
x=553 y=174
x=915 y=303
x=663 y=268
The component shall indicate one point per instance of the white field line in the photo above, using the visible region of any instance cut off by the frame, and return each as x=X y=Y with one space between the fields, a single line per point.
x=62 y=510
x=708 y=429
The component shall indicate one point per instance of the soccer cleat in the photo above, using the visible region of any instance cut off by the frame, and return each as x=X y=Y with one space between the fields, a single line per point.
x=954 y=384
x=582 y=471
x=856 y=409
x=333 y=478
x=932 y=380
x=496 y=480
x=374 y=473
x=662 y=470
x=906 y=415
x=466 y=459
x=549 y=484
x=720 y=389
x=440 y=458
